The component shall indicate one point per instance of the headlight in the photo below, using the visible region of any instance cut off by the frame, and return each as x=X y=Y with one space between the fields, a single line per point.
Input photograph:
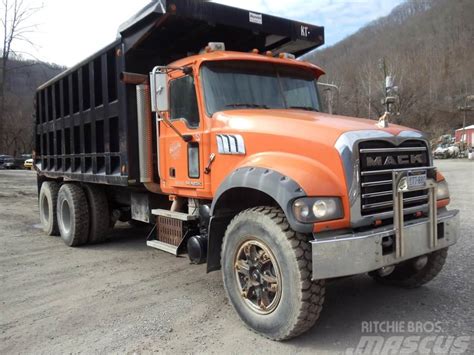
x=317 y=209
x=442 y=190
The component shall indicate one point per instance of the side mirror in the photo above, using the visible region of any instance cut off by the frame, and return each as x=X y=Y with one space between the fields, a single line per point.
x=391 y=103
x=331 y=96
x=159 y=91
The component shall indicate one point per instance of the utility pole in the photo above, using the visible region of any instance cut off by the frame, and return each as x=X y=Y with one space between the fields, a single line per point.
x=370 y=97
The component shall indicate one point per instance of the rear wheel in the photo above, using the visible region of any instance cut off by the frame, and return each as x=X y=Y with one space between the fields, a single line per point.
x=73 y=215
x=414 y=272
x=99 y=213
x=47 y=207
x=266 y=269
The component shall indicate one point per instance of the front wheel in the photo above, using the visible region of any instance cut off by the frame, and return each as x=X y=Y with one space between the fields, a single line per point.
x=266 y=269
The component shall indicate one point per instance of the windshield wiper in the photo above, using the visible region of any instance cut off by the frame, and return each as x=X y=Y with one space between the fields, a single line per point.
x=248 y=105
x=306 y=108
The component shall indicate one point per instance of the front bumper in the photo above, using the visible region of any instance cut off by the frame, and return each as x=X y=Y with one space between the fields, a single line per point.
x=357 y=253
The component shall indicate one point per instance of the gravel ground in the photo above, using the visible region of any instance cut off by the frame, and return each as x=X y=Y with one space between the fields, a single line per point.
x=122 y=296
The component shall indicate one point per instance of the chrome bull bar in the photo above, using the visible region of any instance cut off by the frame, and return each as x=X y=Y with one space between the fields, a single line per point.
x=401 y=185
x=350 y=252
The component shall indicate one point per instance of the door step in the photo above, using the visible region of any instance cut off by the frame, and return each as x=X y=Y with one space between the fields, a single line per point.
x=154 y=243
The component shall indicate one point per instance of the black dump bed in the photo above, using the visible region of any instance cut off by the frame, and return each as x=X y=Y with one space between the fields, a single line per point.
x=86 y=121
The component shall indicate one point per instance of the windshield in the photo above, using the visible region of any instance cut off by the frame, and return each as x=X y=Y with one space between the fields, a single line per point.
x=230 y=85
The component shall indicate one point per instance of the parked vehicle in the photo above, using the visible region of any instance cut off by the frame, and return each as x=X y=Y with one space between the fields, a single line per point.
x=20 y=160
x=7 y=162
x=28 y=164
x=226 y=153
x=446 y=151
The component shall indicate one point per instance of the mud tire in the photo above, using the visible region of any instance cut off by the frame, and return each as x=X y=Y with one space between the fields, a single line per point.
x=47 y=202
x=73 y=215
x=301 y=298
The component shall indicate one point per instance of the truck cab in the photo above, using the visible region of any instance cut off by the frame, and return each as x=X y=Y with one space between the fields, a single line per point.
x=223 y=148
x=251 y=115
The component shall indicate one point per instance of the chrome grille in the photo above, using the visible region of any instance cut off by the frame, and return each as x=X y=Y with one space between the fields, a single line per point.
x=377 y=161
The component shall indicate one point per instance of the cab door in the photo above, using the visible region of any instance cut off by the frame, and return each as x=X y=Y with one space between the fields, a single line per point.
x=181 y=161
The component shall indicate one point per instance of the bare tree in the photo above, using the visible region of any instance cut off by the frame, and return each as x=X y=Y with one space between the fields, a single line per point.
x=16 y=27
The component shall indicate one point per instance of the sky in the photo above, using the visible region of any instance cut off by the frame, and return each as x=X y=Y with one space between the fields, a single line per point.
x=68 y=31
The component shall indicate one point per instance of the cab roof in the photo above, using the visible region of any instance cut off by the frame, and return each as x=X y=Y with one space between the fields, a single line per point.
x=232 y=55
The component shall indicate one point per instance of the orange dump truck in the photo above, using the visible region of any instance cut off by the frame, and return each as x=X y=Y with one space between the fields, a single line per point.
x=199 y=121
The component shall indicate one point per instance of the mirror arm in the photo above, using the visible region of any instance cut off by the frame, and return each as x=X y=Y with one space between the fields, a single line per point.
x=185 y=137
x=166 y=69
x=329 y=86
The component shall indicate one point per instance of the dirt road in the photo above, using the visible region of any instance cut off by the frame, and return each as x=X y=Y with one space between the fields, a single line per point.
x=122 y=296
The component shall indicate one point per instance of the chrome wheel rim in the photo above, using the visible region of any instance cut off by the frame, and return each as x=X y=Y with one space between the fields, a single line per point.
x=258 y=276
x=44 y=210
x=65 y=219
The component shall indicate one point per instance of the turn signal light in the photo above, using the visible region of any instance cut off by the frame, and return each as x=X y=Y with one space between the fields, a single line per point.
x=216 y=46
x=287 y=56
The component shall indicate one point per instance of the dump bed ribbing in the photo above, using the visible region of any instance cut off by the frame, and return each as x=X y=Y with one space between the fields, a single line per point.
x=86 y=127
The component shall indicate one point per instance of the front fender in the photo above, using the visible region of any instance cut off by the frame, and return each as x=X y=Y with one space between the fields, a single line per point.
x=315 y=178
x=281 y=188
x=286 y=177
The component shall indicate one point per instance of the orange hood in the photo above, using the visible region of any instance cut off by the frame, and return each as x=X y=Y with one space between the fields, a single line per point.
x=316 y=127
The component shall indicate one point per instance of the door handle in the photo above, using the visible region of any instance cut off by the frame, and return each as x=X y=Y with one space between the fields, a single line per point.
x=207 y=170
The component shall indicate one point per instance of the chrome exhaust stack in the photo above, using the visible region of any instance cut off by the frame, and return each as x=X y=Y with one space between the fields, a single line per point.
x=145 y=138
x=144 y=133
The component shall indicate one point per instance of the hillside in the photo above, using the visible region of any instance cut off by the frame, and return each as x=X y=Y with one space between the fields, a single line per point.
x=427 y=46
x=24 y=77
